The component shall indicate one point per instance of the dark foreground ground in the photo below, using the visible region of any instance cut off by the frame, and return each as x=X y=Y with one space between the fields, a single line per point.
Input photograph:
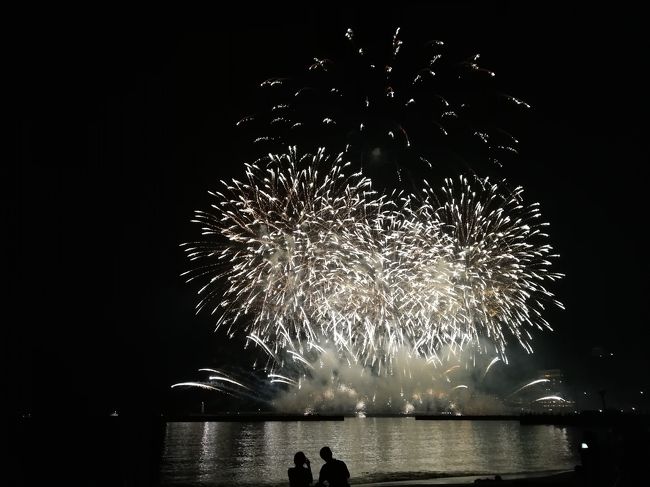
x=576 y=478
x=564 y=478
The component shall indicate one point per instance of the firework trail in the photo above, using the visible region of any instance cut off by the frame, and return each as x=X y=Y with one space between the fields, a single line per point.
x=532 y=383
x=393 y=111
x=225 y=383
x=551 y=398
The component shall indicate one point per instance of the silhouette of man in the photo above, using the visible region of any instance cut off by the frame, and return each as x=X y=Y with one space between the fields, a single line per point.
x=300 y=475
x=334 y=472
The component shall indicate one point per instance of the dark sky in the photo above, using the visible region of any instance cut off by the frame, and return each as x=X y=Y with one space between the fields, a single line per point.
x=123 y=125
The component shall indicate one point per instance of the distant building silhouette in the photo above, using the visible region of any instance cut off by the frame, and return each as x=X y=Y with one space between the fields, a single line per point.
x=555 y=394
x=550 y=396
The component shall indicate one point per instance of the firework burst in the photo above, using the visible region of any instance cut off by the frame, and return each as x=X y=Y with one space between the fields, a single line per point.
x=310 y=256
x=334 y=281
x=500 y=259
x=392 y=110
x=277 y=241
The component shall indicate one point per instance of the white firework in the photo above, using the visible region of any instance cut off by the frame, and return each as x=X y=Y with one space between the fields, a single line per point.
x=301 y=256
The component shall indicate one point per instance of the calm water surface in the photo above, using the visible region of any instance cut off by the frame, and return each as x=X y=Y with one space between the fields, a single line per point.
x=374 y=449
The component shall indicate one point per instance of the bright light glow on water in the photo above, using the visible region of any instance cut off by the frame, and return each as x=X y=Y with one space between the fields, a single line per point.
x=373 y=448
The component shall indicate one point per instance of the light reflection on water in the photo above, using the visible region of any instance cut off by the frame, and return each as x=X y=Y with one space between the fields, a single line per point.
x=373 y=448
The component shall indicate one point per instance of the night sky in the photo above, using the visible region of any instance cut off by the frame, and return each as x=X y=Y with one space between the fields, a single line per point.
x=122 y=126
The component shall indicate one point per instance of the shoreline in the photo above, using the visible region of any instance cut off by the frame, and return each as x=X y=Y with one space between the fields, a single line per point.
x=521 y=479
x=552 y=477
x=585 y=419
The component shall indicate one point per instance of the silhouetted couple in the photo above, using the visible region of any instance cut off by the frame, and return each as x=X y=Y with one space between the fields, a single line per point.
x=334 y=473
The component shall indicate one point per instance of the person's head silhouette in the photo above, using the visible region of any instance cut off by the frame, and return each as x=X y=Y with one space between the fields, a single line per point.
x=299 y=459
x=326 y=453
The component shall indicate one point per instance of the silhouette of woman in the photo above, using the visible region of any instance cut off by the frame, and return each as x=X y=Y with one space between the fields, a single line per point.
x=300 y=475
